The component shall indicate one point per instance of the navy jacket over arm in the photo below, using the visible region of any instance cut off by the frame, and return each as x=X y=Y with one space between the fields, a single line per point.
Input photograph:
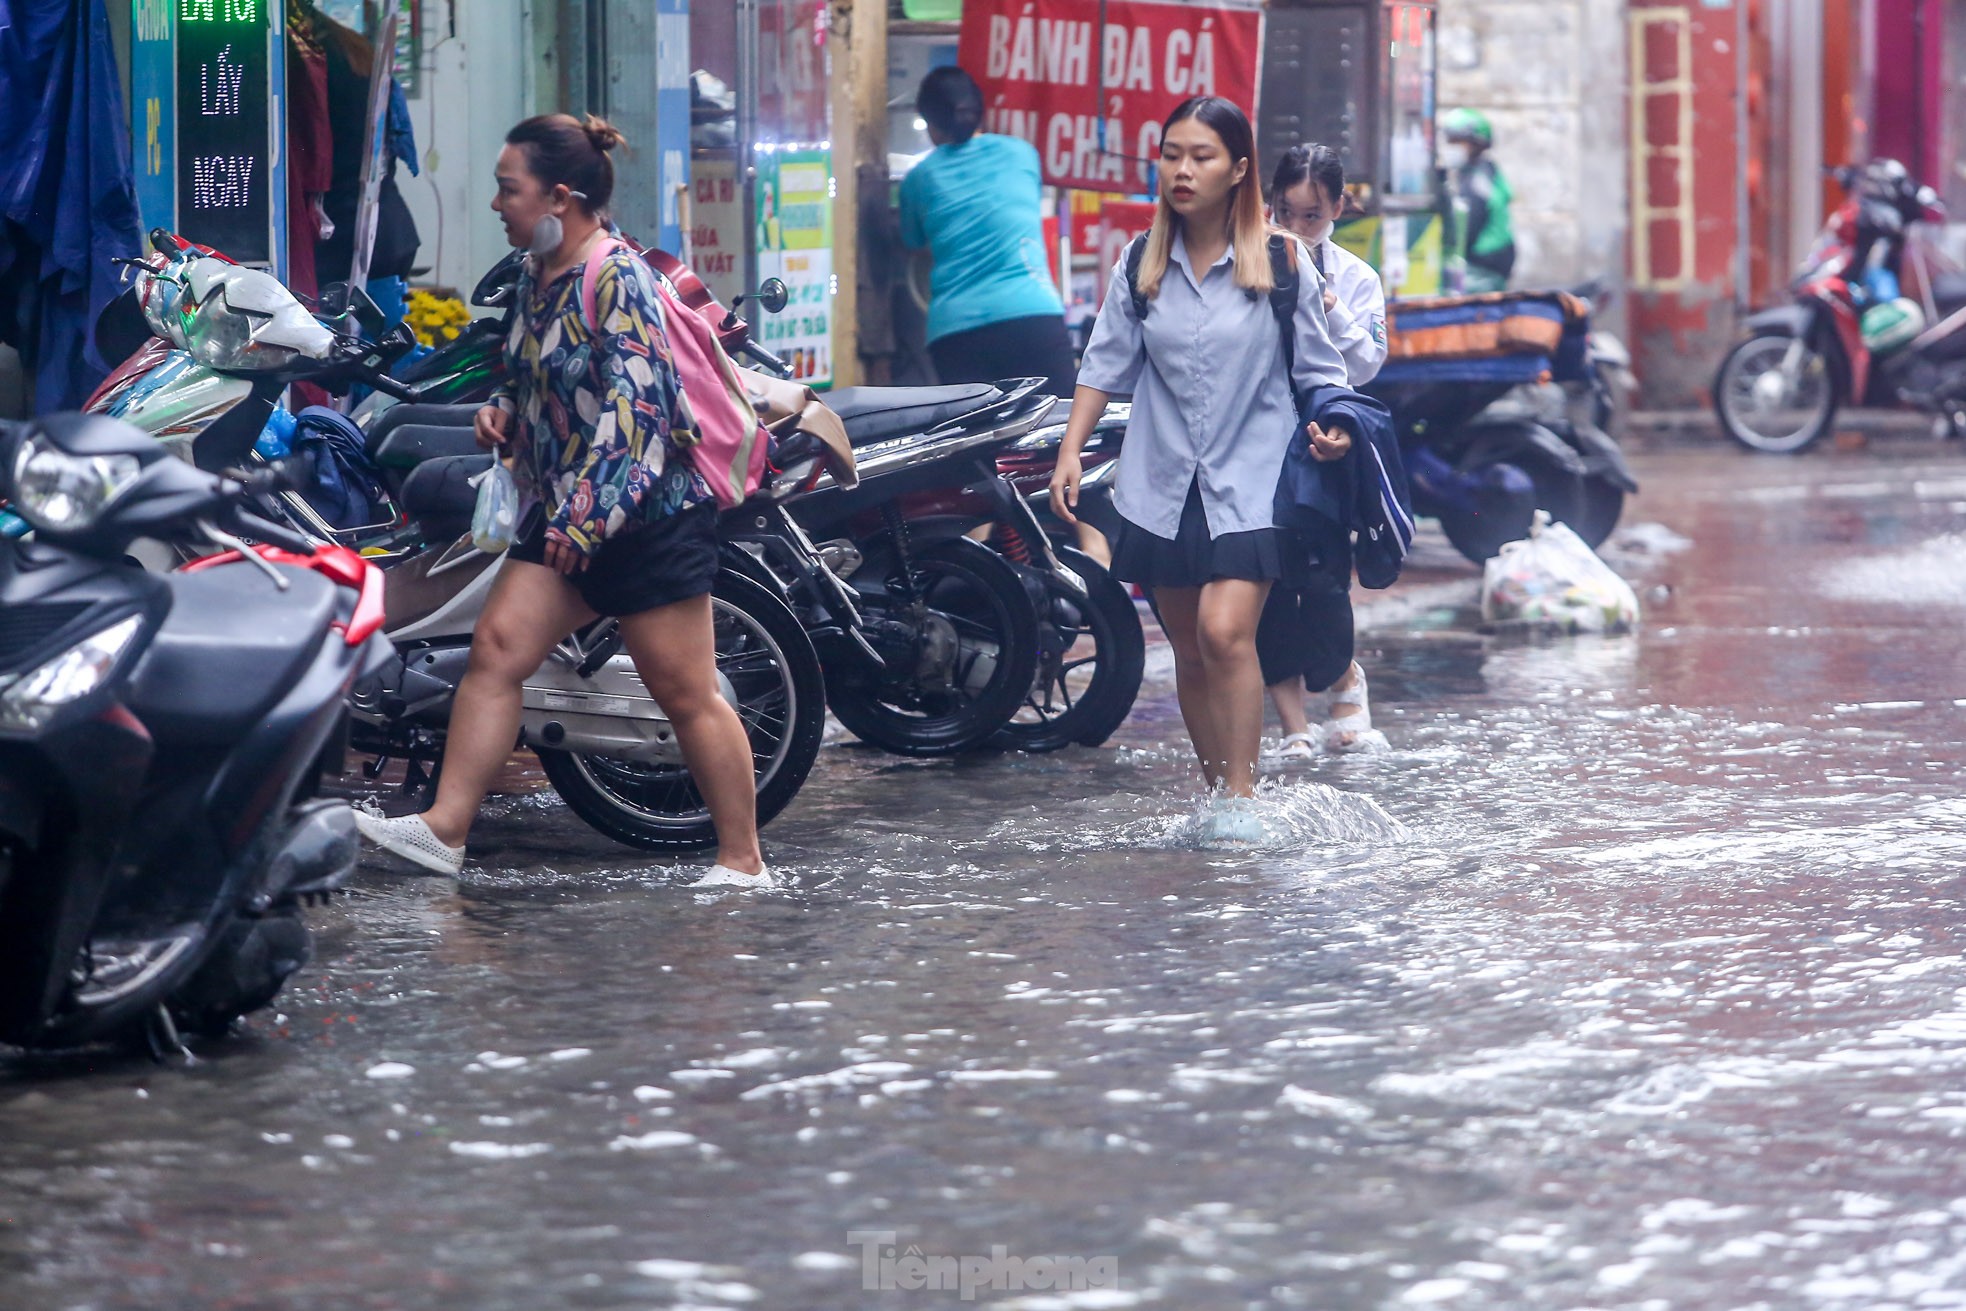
x=1354 y=513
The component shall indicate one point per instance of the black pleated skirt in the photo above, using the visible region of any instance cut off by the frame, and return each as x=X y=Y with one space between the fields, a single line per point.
x=1193 y=558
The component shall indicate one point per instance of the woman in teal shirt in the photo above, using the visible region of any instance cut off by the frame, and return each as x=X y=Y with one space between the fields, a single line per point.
x=976 y=202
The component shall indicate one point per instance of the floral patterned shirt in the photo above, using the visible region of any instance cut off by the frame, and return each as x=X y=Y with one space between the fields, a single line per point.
x=594 y=436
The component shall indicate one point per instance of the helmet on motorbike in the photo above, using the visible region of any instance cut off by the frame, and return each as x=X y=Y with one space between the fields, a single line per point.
x=1892 y=325
x=1469 y=125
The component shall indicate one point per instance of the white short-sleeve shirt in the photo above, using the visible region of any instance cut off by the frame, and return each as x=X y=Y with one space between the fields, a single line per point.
x=1358 y=320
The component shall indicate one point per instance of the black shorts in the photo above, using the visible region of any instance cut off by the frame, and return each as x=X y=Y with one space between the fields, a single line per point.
x=1305 y=632
x=648 y=566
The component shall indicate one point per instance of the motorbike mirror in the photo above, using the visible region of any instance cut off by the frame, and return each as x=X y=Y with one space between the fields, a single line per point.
x=341 y=303
x=774 y=296
x=495 y=288
x=120 y=329
x=367 y=313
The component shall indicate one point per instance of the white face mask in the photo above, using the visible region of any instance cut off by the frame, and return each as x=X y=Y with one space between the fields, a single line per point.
x=1455 y=154
x=549 y=232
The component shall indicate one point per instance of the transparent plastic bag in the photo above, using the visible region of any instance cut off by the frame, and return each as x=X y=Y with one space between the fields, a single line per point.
x=1552 y=581
x=495 y=519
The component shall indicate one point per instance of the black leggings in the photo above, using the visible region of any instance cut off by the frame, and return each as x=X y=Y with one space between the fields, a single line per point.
x=1308 y=633
x=1016 y=348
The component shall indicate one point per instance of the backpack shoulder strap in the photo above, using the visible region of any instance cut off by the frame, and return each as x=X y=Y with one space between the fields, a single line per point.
x=1136 y=250
x=603 y=248
x=1283 y=294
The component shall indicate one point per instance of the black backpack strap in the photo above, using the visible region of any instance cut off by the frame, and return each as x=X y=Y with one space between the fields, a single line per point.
x=1283 y=297
x=1136 y=250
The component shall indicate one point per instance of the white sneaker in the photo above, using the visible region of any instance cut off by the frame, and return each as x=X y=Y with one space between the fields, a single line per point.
x=723 y=876
x=410 y=837
x=1235 y=822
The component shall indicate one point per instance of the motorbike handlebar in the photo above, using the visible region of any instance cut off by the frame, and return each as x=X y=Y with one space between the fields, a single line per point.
x=247 y=524
x=765 y=360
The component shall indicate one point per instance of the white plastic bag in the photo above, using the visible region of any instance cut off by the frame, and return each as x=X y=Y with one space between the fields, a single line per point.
x=496 y=517
x=1552 y=581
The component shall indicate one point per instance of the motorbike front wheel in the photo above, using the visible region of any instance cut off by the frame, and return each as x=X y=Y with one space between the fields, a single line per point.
x=1092 y=655
x=960 y=658
x=1775 y=393
x=781 y=699
x=1603 y=504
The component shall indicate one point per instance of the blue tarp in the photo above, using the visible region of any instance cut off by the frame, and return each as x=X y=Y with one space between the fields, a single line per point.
x=67 y=198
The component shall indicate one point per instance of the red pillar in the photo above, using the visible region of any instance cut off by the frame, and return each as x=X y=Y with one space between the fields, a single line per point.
x=1686 y=166
x=1907 y=117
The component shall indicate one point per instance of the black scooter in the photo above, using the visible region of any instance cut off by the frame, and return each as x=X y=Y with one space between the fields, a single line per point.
x=161 y=740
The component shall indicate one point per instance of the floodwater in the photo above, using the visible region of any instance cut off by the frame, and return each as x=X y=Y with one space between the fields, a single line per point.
x=1629 y=977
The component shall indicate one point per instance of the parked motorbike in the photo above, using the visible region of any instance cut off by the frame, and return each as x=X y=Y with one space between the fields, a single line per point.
x=1488 y=442
x=1779 y=389
x=223 y=342
x=162 y=738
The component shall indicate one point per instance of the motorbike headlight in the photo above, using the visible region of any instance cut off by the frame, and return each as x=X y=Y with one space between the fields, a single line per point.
x=61 y=492
x=28 y=702
x=222 y=338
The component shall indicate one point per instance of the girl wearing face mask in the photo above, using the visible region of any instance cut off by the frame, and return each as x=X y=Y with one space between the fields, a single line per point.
x=1305 y=638
x=620 y=524
x=1213 y=413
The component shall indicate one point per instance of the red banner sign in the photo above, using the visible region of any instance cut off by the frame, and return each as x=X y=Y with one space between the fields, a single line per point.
x=1120 y=221
x=1048 y=70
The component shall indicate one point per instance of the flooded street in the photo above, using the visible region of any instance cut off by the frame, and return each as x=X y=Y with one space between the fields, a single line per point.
x=1630 y=977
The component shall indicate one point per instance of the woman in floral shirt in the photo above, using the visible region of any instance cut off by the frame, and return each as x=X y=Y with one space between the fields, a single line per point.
x=622 y=525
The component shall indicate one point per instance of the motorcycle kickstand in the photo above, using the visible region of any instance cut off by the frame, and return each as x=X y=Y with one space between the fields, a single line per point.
x=161 y=1037
x=416 y=778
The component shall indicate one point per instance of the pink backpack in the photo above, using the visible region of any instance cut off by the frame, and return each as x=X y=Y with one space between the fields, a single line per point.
x=719 y=428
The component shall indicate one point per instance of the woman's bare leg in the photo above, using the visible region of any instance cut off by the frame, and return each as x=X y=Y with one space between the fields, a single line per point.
x=1288 y=696
x=1179 y=609
x=530 y=610
x=1226 y=633
x=675 y=651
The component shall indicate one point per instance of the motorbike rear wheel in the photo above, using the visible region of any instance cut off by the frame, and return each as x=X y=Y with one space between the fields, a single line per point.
x=1756 y=404
x=931 y=704
x=1093 y=654
x=781 y=699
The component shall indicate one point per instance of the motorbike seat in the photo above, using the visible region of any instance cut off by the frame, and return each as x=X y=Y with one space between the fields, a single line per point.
x=404 y=436
x=231 y=647
x=873 y=414
x=439 y=497
x=1949 y=290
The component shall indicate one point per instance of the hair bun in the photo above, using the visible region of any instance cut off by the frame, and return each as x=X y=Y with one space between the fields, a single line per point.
x=604 y=135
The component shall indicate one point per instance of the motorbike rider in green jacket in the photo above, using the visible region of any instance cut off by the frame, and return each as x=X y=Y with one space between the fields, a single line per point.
x=1481 y=187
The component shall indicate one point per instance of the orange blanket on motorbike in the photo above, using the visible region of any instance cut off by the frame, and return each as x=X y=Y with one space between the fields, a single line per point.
x=1481 y=327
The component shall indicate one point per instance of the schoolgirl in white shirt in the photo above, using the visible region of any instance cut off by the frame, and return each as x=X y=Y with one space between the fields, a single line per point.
x=1305 y=639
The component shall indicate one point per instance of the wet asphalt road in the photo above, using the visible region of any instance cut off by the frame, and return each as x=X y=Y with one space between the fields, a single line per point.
x=1630 y=977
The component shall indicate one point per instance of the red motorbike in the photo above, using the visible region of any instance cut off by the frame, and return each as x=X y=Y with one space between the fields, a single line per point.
x=1878 y=318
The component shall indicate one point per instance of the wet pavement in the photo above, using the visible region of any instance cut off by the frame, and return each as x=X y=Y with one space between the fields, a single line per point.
x=1630 y=977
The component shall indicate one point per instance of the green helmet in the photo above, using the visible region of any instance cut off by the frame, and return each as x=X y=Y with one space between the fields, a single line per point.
x=1468 y=125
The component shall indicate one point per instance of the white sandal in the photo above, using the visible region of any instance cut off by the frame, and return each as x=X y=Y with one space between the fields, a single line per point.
x=1297 y=746
x=410 y=837
x=1358 y=724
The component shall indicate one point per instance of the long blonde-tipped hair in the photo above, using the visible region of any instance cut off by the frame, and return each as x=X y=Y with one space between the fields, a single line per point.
x=1249 y=231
